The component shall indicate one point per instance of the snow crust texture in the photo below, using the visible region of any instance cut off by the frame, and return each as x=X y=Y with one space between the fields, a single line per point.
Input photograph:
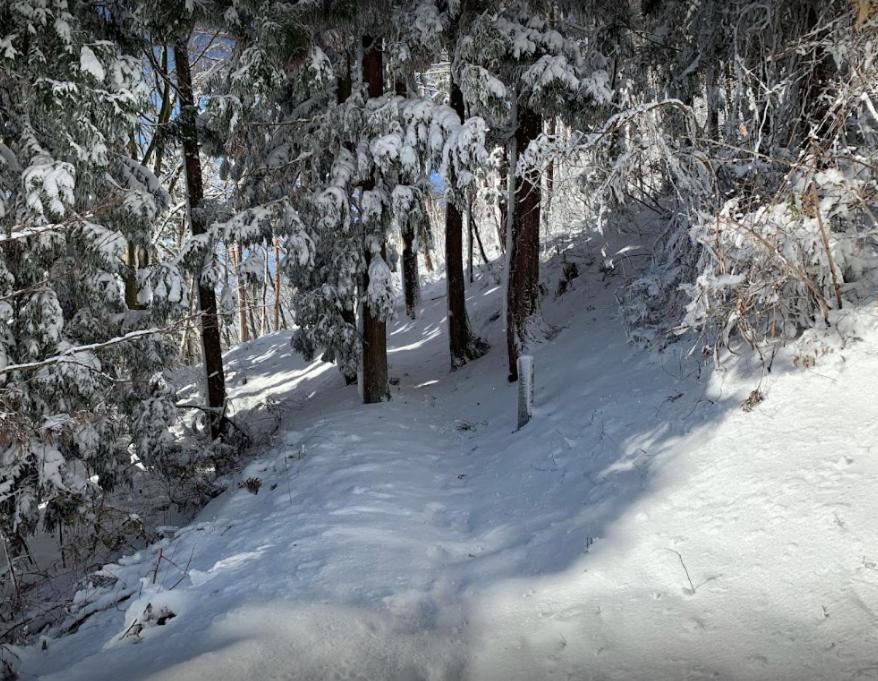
x=641 y=526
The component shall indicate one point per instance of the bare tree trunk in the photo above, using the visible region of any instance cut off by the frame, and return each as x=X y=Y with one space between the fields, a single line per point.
x=433 y=213
x=131 y=276
x=251 y=300
x=237 y=254
x=374 y=329
x=185 y=348
x=410 y=289
x=278 y=319
x=475 y=231
x=266 y=322
x=550 y=174
x=410 y=273
x=131 y=254
x=210 y=336
x=501 y=226
x=469 y=241
x=712 y=99
x=464 y=345
x=523 y=285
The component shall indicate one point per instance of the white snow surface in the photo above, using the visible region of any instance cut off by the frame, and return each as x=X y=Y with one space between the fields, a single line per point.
x=641 y=526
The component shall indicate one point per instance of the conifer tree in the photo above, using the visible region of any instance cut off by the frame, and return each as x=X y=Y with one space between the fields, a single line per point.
x=210 y=330
x=80 y=380
x=514 y=67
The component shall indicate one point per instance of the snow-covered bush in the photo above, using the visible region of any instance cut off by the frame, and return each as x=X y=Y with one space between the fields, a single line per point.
x=765 y=186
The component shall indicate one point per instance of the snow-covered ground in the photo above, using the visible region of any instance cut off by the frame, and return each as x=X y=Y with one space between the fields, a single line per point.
x=642 y=526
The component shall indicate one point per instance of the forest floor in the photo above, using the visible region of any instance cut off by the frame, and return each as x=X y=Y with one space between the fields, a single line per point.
x=642 y=526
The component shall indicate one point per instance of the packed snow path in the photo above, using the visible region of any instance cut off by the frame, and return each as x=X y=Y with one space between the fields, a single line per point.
x=642 y=526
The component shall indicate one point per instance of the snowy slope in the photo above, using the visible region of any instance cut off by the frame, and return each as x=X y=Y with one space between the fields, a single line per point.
x=642 y=526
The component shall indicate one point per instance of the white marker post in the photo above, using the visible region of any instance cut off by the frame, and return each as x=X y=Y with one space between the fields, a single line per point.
x=525 y=389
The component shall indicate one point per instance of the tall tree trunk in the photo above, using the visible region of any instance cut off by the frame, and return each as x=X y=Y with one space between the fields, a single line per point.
x=464 y=345
x=278 y=319
x=131 y=277
x=210 y=332
x=411 y=288
x=253 y=296
x=469 y=241
x=410 y=283
x=131 y=254
x=237 y=252
x=523 y=283
x=475 y=231
x=550 y=174
x=711 y=97
x=501 y=226
x=185 y=346
x=374 y=329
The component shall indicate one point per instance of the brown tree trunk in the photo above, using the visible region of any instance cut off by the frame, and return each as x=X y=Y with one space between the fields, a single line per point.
x=210 y=333
x=265 y=320
x=131 y=262
x=469 y=241
x=410 y=273
x=475 y=231
x=131 y=277
x=252 y=298
x=523 y=285
x=464 y=345
x=237 y=255
x=410 y=287
x=501 y=226
x=374 y=329
x=550 y=174
x=278 y=319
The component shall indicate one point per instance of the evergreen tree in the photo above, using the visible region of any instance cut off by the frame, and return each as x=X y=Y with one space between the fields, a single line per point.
x=355 y=166
x=514 y=67
x=210 y=331
x=80 y=380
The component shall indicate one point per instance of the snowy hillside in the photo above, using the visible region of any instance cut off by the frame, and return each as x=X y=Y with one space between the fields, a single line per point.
x=642 y=526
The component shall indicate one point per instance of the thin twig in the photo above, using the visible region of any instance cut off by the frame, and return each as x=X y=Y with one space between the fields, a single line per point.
x=684 y=568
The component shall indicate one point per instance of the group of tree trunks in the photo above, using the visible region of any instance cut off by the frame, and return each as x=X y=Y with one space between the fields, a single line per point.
x=464 y=345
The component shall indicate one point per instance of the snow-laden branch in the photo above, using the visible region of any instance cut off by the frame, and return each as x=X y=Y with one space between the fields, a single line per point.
x=65 y=354
x=534 y=160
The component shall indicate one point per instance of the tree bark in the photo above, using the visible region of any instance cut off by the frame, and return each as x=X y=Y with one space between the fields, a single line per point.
x=475 y=231
x=501 y=226
x=410 y=283
x=278 y=318
x=373 y=361
x=464 y=345
x=469 y=241
x=237 y=254
x=550 y=174
x=210 y=332
x=523 y=285
x=410 y=273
